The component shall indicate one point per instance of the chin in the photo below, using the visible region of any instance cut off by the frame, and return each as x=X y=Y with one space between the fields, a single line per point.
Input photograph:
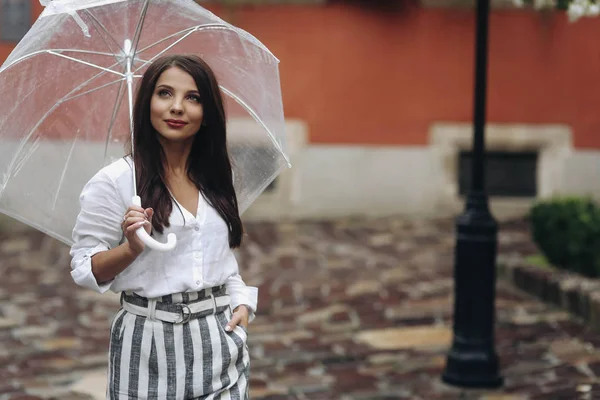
x=176 y=136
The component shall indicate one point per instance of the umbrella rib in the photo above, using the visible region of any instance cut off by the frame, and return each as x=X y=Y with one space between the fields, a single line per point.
x=92 y=90
x=64 y=172
x=246 y=35
x=189 y=32
x=165 y=50
x=103 y=28
x=35 y=53
x=37 y=226
x=138 y=29
x=87 y=63
x=167 y=38
x=257 y=119
x=99 y=53
x=73 y=97
x=23 y=160
x=30 y=133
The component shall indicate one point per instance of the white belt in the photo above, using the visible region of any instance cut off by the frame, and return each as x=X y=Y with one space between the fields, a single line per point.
x=181 y=317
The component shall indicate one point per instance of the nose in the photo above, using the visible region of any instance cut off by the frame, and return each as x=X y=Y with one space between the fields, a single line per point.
x=176 y=107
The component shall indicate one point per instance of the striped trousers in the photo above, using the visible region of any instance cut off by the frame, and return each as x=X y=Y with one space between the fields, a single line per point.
x=192 y=359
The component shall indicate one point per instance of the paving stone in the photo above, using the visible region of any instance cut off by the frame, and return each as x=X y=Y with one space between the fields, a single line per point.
x=76 y=396
x=15 y=245
x=406 y=338
x=571 y=350
x=8 y=323
x=63 y=343
x=352 y=309
x=267 y=392
x=435 y=308
x=90 y=386
x=34 y=331
x=321 y=315
x=364 y=287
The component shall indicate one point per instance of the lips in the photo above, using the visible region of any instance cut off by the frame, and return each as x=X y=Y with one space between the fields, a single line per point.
x=175 y=123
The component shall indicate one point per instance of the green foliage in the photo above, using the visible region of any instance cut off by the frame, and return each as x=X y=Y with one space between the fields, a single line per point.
x=538 y=260
x=558 y=4
x=567 y=231
x=562 y=4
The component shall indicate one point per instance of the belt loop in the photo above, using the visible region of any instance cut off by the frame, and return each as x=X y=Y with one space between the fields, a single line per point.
x=152 y=309
x=212 y=296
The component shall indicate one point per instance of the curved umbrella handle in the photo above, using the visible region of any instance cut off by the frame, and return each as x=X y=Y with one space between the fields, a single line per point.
x=149 y=241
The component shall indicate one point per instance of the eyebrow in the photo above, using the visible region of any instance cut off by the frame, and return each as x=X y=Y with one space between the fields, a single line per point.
x=169 y=87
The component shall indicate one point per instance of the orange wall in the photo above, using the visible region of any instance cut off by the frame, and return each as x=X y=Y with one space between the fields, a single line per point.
x=359 y=77
x=365 y=78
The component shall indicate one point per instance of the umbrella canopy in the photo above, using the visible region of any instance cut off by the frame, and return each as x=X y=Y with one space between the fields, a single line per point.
x=65 y=110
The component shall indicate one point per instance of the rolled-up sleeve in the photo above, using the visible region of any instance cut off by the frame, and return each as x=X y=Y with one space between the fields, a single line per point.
x=97 y=229
x=242 y=294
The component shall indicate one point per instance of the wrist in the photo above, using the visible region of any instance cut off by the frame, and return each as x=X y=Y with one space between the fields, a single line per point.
x=131 y=251
x=246 y=307
x=248 y=310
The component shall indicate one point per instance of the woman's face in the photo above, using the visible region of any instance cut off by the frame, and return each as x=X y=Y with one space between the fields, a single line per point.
x=175 y=109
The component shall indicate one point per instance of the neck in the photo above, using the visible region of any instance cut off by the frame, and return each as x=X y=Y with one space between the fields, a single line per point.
x=176 y=155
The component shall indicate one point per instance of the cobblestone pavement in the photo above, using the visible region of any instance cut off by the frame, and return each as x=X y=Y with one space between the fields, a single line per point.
x=350 y=310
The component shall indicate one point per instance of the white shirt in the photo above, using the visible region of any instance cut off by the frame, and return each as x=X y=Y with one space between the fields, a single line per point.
x=201 y=259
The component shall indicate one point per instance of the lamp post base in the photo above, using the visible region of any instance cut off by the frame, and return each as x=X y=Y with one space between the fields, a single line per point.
x=472 y=360
x=472 y=367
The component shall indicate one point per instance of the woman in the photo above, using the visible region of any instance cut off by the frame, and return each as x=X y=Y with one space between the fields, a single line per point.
x=181 y=331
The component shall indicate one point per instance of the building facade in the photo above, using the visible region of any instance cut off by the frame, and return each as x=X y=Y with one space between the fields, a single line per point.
x=379 y=106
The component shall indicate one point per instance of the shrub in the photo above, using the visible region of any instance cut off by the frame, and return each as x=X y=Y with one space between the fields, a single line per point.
x=567 y=231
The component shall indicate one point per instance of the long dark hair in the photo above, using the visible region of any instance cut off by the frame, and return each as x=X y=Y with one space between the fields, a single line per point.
x=208 y=165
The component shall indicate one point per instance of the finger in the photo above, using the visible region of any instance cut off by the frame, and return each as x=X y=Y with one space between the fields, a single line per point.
x=243 y=321
x=133 y=216
x=149 y=212
x=135 y=209
x=136 y=214
x=134 y=227
x=235 y=320
x=134 y=220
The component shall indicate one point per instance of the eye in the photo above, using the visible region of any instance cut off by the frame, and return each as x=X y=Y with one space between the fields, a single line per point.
x=163 y=93
x=194 y=97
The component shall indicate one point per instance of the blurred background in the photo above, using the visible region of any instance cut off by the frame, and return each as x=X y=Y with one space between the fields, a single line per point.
x=378 y=97
x=379 y=100
x=352 y=248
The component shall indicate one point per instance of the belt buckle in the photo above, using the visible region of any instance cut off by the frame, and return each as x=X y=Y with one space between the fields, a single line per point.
x=185 y=317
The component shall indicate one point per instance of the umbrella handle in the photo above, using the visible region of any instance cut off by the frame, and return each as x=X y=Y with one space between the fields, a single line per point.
x=148 y=240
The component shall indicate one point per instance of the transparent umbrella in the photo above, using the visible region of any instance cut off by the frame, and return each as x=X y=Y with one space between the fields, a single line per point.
x=66 y=109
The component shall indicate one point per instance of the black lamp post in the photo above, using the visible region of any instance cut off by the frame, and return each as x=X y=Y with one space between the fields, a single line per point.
x=472 y=360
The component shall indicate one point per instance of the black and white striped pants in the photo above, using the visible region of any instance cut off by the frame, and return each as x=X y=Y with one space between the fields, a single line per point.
x=195 y=359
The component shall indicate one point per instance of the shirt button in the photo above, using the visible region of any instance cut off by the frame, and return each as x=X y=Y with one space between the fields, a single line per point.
x=197 y=254
x=198 y=283
x=197 y=228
